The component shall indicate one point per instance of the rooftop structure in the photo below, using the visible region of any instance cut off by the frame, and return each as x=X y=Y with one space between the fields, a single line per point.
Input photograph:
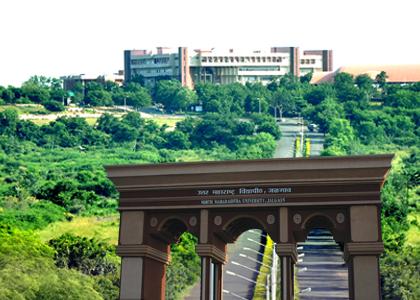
x=397 y=74
x=222 y=66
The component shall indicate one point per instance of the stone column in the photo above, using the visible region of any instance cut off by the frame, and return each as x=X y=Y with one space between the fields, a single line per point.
x=362 y=253
x=288 y=258
x=142 y=266
x=286 y=249
x=143 y=271
x=212 y=260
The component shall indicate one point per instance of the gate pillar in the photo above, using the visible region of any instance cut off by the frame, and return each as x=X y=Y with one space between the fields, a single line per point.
x=143 y=267
x=212 y=260
x=288 y=258
x=362 y=253
x=363 y=263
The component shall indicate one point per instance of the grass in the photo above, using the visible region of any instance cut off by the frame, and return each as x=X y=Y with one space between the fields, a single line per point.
x=170 y=122
x=101 y=228
x=35 y=109
x=260 y=289
x=413 y=233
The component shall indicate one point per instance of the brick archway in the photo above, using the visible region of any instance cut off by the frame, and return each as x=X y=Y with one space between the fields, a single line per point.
x=217 y=201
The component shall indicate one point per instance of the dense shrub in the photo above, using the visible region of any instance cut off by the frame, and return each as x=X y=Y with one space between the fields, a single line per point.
x=86 y=255
x=37 y=216
x=27 y=271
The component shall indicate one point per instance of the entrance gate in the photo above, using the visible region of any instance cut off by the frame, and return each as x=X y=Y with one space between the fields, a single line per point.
x=217 y=201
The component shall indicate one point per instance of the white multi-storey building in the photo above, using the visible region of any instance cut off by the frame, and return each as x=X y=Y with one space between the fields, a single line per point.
x=223 y=66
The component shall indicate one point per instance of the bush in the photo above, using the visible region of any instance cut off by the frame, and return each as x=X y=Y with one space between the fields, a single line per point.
x=28 y=272
x=400 y=274
x=37 y=216
x=184 y=269
x=86 y=255
x=53 y=105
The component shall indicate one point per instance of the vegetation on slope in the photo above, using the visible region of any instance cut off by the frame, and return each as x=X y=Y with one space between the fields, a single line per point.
x=52 y=175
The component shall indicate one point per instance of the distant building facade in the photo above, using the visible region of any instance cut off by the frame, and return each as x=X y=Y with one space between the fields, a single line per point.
x=70 y=81
x=223 y=66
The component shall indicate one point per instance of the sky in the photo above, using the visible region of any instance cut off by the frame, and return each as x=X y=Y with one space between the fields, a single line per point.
x=55 y=38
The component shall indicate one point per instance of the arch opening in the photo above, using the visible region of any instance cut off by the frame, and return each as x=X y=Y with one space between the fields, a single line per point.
x=240 y=225
x=184 y=269
x=172 y=229
x=249 y=268
x=321 y=260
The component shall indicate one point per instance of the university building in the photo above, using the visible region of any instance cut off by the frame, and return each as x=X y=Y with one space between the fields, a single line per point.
x=223 y=66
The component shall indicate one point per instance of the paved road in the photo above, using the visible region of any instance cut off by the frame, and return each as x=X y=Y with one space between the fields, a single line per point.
x=238 y=286
x=289 y=129
x=326 y=274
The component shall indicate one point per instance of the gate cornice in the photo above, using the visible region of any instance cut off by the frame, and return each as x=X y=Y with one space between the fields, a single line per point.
x=268 y=182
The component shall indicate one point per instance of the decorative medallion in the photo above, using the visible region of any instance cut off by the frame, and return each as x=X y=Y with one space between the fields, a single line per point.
x=218 y=220
x=297 y=218
x=340 y=218
x=271 y=219
x=153 y=222
x=192 y=221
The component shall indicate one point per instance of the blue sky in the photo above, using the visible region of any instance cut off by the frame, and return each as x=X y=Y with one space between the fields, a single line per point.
x=54 y=38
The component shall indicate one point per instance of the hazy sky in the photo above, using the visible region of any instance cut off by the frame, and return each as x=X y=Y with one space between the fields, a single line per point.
x=53 y=37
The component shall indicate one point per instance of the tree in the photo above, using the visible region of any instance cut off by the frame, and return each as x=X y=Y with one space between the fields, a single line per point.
x=137 y=96
x=8 y=95
x=53 y=105
x=133 y=119
x=124 y=133
x=36 y=89
x=177 y=140
x=326 y=112
x=86 y=255
x=364 y=82
x=8 y=122
x=214 y=129
x=27 y=130
x=284 y=101
x=187 y=125
x=57 y=92
x=306 y=78
x=403 y=98
x=340 y=139
x=381 y=79
x=345 y=88
x=96 y=95
x=317 y=93
x=29 y=271
x=173 y=96
x=106 y=123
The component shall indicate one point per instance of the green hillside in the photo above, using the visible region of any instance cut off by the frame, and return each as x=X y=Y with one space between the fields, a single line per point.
x=58 y=217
